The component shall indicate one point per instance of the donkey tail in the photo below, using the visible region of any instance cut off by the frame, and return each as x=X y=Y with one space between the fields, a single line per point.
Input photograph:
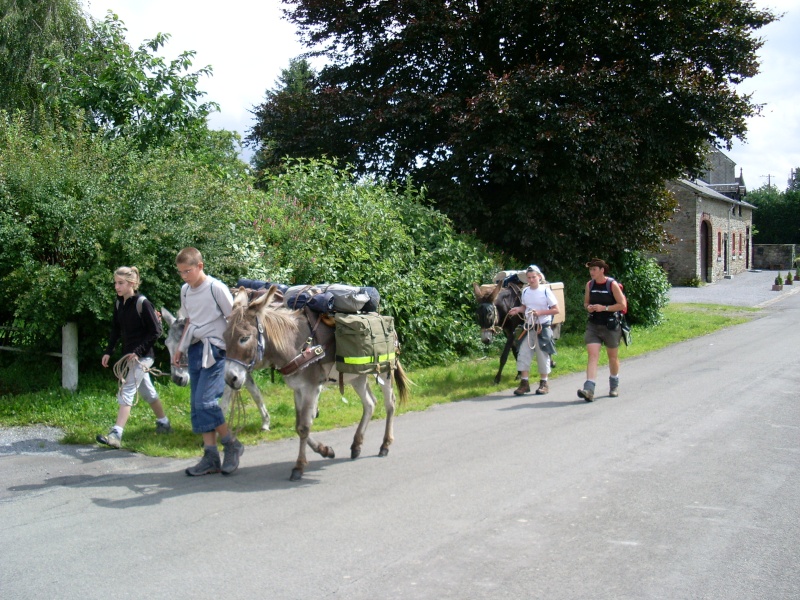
x=403 y=383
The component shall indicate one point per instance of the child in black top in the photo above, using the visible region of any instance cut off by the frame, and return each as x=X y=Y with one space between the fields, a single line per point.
x=135 y=321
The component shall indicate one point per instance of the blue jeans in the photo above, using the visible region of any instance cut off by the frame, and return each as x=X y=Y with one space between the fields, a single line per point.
x=207 y=386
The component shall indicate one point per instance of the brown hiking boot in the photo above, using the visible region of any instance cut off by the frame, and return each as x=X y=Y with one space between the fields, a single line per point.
x=543 y=388
x=524 y=388
x=587 y=395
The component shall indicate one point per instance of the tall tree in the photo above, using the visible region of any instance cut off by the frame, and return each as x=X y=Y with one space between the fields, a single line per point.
x=289 y=121
x=777 y=215
x=547 y=127
x=31 y=31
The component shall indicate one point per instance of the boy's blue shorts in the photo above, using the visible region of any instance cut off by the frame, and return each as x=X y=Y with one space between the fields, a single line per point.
x=207 y=386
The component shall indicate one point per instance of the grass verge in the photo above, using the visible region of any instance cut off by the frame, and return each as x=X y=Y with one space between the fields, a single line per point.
x=93 y=408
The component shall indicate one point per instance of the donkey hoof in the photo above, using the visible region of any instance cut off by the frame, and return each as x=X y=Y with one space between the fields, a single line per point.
x=384 y=452
x=330 y=453
x=297 y=475
x=355 y=453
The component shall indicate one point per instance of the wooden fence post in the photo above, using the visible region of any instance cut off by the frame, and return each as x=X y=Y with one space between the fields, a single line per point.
x=69 y=356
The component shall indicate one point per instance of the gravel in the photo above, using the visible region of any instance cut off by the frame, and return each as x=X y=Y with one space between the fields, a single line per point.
x=32 y=439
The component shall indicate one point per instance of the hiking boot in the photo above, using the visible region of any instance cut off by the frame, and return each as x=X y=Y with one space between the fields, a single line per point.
x=587 y=395
x=524 y=388
x=208 y=464
x=163 y=427
x=112 y=439
x=613 y=384
x=614 y=392
x=543 y=387
x=233 y=450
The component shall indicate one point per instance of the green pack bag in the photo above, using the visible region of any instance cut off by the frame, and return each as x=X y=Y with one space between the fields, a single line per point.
x=365 y=343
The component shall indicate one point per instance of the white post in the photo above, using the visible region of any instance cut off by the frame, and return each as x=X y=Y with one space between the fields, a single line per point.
x=69 y=356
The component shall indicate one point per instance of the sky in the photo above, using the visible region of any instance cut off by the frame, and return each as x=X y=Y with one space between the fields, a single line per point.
x=248 y=43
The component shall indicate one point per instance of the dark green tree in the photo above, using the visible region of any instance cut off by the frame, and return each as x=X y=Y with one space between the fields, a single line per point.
x=293 y=120
x=546 y=127
x=777 y=215
x=30 y=32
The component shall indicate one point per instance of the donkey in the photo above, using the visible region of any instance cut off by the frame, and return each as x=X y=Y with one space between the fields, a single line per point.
x=180 y=373
x=261 y=334
x=494 y=302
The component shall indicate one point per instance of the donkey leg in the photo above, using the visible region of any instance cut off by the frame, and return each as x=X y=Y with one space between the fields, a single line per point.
x=305 y=407
x=389 y=403
x=302 y=428
x=504 y=357
x=258 y=398
x=361 y=386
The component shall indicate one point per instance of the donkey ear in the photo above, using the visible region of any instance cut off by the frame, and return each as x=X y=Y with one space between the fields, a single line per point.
x=240 y=297
x=167 y=316
x=258 y=303
x=476 y=289
x=495 y=292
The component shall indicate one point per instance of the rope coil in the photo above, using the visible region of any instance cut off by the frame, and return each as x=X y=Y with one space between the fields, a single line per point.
x=122 y=369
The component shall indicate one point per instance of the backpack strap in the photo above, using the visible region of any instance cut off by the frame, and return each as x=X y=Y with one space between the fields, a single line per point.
x=139 y=301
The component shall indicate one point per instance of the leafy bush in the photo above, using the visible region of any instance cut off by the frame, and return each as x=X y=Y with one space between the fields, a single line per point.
x=646 y=288
x=73 y=208
x=318 y=224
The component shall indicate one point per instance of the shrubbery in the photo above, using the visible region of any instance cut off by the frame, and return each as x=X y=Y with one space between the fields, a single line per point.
x=73 y=208
x=318 y=224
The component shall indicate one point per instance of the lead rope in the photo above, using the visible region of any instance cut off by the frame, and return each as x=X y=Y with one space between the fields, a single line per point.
x=531 y=324
x=122 y=369
x=237 y=412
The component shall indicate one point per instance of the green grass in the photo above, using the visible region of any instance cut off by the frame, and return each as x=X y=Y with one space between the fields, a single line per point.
x=93 y=408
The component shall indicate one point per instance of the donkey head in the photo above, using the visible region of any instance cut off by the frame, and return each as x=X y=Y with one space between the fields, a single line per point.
x=486 y=311
x=177 y=325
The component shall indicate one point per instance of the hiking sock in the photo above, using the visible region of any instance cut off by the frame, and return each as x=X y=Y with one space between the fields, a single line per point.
x=588 y=385
x=163 y=420
x=117 y=429
x=613 y=381
x=227 y=439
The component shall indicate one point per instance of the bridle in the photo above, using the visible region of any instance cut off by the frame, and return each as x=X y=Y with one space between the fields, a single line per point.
x=259 y=353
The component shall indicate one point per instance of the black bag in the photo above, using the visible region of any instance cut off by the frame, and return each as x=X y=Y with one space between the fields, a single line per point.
x=612 y=322
x=321 y=303
x=626 y=331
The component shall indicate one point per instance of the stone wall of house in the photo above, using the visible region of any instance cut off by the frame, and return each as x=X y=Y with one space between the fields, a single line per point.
x=681 y=259
x=774 y=257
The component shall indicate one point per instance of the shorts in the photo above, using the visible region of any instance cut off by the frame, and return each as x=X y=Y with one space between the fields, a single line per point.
x=598 y=333
x=137 y=380
x=207 y=386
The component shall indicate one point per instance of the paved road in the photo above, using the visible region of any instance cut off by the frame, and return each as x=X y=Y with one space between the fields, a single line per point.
x=687 y=486
x=752 y=288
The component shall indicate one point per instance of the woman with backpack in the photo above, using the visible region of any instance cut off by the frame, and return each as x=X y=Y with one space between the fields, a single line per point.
x=603 y=299
x=136 y=322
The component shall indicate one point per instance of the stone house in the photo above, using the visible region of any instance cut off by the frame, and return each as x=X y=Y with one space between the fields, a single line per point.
x=712 y=226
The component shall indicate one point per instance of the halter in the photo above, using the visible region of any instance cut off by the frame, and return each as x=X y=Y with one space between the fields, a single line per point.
x=259 y=355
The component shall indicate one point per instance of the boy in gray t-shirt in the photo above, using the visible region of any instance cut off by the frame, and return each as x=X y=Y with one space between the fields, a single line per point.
x=207 y=303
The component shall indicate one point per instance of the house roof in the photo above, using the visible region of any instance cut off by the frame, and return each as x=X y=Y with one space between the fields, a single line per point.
x=710 y=191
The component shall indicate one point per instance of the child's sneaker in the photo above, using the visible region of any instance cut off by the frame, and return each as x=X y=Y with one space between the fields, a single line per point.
x=111 y=439
x=163 y=427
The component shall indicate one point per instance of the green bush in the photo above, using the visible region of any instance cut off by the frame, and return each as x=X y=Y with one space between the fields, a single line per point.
x=646 y=288
x=74 y=207
x=318 y=224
